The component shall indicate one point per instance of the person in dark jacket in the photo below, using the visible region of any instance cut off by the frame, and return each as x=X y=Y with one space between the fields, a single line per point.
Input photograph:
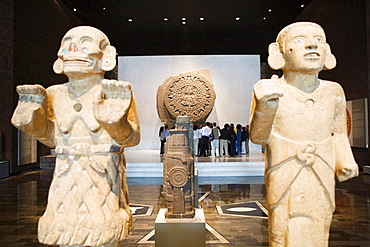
x=232 y=140
x=238 y=143
x=224 y=140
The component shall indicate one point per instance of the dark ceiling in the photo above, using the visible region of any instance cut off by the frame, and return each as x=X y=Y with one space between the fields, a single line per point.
x=218 y=33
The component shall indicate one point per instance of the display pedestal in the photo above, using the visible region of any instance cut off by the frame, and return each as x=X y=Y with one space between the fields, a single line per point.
x=366 y=169
x=4 y=169
x=180 y=232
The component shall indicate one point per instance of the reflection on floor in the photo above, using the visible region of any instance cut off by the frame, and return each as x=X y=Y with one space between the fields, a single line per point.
x=23 y=200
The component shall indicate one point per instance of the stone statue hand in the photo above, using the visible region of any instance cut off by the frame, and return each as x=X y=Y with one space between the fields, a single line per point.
x=30 y=115
x=112 y=104
x=347 y=173
x=268 y=92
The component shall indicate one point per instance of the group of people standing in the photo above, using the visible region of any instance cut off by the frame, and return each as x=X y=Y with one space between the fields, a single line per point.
x=210 y=140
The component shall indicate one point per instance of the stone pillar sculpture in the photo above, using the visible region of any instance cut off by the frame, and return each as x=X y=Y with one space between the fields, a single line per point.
x=188 y=94
x=302 y=121
x=178 y=169
x=89 y=120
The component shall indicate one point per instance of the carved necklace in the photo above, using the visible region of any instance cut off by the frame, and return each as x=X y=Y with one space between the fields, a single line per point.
x=309 y=99
x=77 y=106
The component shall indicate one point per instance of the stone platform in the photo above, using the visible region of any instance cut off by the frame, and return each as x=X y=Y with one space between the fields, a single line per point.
x=148 y=163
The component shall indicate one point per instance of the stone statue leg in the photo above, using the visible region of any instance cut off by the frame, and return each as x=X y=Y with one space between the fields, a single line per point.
x=302 y=218
x=310 y=212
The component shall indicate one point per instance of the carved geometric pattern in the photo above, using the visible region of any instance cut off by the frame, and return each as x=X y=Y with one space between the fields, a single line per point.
x=178 y=176
x=85 y=206
x=189 y=94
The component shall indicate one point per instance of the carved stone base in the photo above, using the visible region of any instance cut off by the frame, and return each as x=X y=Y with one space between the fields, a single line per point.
x=180 y=232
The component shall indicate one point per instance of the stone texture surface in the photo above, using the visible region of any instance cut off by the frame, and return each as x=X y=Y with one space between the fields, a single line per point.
x=178 y=172
x=89 y=120
x=302 y=121
x=188 y=94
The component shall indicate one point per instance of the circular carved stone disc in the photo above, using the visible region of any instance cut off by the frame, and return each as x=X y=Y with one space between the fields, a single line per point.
x=178 y=177
x=190 y=94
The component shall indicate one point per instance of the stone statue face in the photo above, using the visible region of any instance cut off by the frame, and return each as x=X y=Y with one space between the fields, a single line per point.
x=304 y=49
x=81 y=51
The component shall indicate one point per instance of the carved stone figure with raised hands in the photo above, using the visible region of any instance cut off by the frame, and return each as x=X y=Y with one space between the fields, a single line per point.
x=302 y=121
x=89 y=121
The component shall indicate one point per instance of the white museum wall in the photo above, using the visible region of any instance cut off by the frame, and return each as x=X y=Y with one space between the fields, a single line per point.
x=233 y=77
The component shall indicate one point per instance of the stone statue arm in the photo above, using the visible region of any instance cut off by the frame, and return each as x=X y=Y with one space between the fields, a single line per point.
x=346 y=166
x=31 y=115
x=265 y=103
x=116 y=111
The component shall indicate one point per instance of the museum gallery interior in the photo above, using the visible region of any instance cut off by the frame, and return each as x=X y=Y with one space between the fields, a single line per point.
x=87 y=85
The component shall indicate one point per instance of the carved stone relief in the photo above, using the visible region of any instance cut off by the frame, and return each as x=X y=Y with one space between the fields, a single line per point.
x=178 y=169
x=188 y=94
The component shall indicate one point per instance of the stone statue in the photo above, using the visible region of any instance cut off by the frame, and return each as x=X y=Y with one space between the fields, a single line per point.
x=178 y=171
x=89 y=120
x=188 y=94
x=302 y=121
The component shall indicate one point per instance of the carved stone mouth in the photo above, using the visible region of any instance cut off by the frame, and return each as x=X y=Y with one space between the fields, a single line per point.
x=72 y=61
x=312 y=55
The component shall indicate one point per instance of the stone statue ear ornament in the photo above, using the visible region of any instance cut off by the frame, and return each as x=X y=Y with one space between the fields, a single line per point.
x=109 y=58
x=275 y=58
x=58 y=66
x=330 y=61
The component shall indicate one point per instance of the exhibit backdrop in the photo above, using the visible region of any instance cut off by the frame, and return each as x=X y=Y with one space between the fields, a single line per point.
x=233 y=77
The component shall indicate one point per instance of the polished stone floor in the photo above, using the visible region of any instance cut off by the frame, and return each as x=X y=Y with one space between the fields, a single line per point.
x=23 y=200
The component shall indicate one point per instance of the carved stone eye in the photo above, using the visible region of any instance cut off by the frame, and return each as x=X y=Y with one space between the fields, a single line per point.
x=299 y=40
x=318 y=40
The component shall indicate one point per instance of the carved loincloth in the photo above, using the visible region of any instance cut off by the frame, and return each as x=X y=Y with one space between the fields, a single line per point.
x=88 y=201
x=285 y=164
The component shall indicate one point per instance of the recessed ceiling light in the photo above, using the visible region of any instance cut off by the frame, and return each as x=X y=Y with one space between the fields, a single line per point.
x=129 y=20
x=103 y=8
x=183 y=19
x=270 y=10
x=183 y=23
x=264 y=18
x=302 y=5
x=237 y=18
x=74 y=9
x=201 y=18
x=165 y=19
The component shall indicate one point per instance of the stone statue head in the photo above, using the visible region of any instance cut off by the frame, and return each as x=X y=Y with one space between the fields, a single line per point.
x=85 y=49
x=301 y=46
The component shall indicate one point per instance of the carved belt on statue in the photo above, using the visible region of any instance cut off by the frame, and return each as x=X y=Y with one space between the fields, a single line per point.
x=86 y=150
x=288 y=158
